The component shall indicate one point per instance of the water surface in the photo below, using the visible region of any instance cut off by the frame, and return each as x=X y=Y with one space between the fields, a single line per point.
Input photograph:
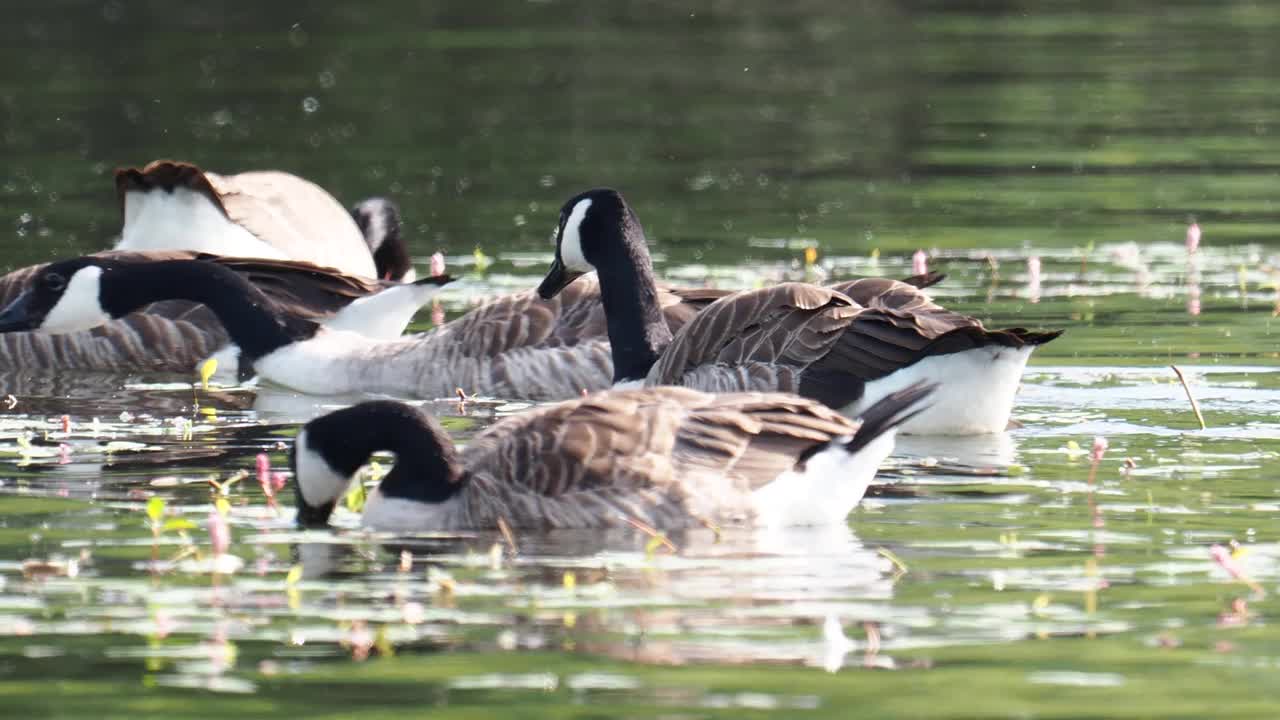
x=1001 y=576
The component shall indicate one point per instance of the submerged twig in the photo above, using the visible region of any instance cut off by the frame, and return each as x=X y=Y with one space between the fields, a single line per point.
x=508 y=535
x=652 y=532
x=1195 y=406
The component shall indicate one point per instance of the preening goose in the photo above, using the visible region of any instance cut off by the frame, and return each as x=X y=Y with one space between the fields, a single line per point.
x=667 y=457
x=518 y=346
x=379 y=220
x=170 y=205
x=816 y=341
x=174 y=335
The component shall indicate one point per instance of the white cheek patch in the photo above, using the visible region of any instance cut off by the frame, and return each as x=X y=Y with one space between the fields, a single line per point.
x=79 y=307
x=375 y=209
x=571 y=239
x=317 y=482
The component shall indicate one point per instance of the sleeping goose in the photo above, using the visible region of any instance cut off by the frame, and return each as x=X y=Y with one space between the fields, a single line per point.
x=174 y=335
x=517 y=346
x=170 y=205
x=816 y=341
x=667 y=457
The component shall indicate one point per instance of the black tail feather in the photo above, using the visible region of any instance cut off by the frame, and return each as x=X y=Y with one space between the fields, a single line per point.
x=928 y=279
x=889 y=412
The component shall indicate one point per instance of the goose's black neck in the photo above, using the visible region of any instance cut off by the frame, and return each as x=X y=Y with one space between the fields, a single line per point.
x=638 y=332
x=248 y=315
x=426 y=468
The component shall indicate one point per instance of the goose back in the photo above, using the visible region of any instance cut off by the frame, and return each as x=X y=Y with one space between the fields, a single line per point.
x=668 y=457
x=755 y=339
x=289 y=215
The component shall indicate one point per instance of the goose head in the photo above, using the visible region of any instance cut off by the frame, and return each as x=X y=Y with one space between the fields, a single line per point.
x=65 y=297
x=379 y=221
x=331 y=449
x=597 y=231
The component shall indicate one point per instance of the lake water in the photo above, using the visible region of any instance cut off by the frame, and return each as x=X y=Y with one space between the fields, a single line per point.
x=995 y=577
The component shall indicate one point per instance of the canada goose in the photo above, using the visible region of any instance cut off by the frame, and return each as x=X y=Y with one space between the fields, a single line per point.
x=379 y=221
x=173 y=335
x=170 y=205
x=795 y=337
x=667 y=457
x=517 y=346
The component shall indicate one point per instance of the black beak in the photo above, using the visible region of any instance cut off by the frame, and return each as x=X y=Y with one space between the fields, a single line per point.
x=557 y=279
x=17 y=316
x=435 y=280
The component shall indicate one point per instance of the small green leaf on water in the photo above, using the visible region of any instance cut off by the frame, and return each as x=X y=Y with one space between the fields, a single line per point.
x=155 y=509
x=295 y=574
x=482 y=261
x=207 y=369
x=356 y=497
x=652 y=546
x=175 y=524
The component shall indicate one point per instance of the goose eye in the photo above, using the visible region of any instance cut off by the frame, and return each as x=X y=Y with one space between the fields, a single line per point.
x=55 y=282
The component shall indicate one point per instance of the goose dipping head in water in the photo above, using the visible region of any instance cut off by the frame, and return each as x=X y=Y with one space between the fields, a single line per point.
x=665 y=457
x=817 y=341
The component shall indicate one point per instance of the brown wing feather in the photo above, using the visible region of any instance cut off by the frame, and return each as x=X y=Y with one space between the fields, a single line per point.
x=901 y=326
x=659 y=454
x=292 y=214
x=574 y=316
x=791 y=324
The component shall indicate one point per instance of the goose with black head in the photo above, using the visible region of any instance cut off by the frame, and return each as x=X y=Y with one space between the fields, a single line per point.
x=816 y=341
x=665 y=457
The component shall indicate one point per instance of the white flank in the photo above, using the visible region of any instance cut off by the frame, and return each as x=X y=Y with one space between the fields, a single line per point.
x=228 y=369
x=383 y=315
x=629 y=385
x=317 y=482
x=185 y=220
x=974 y=396
x=571 y=239
x=329 y=363
x=409 y=275
x=79 y=308
x=826 y=490
x=399 y=515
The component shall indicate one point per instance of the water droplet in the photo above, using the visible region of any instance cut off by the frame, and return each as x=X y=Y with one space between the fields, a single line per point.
x=310 y=105
x=297 y=36
x=327 y=79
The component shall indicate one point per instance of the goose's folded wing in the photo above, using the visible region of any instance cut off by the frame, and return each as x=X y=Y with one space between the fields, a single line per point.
x=295 y=216
x=789 y=325
x=680 y=305
x=900 y=325
x=301 y=288
x=634 y=452
x=753 y=437
x=573 y=317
